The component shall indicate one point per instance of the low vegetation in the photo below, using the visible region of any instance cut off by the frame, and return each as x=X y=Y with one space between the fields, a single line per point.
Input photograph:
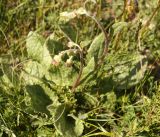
x=79 y=68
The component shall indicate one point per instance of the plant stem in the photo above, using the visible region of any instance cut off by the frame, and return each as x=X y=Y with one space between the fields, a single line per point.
x=76 y=83
x=105 y=51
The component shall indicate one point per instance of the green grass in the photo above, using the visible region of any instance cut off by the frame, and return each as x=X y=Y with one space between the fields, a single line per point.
x=50 y=89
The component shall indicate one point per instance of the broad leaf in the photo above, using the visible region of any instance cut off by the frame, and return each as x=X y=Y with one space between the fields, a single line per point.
x=33 y=72
x=37 y=50
x=125 y=69
x=90 y=100
x=65 y=124
x=88 y=71
x=34 y=44
x=39 y=97
x=53 y=46
x=46 y=132
x=96 y=48
x=62 y=75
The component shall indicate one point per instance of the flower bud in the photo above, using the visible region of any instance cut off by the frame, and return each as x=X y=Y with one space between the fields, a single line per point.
x=57 y=59
x=70 y=44
x=69 y=62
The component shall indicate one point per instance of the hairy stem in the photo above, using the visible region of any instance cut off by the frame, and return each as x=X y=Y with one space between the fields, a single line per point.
x=76 y=83
x=105 y=51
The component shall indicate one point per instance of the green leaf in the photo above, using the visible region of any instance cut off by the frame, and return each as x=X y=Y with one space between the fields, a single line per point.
x=87 y=73
x=34 y=44
x=87 y=100
x=109 y=100
x=65 y=124
x=90 y=100
x=33 y=72
x=69 y=31
x=96 y=47
x=37 y=50
x=125 y=69
x=53 y=46
x=40 y=100
x=62 y=75
x=79 y=127
x=85 y=43
x=45 y=132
